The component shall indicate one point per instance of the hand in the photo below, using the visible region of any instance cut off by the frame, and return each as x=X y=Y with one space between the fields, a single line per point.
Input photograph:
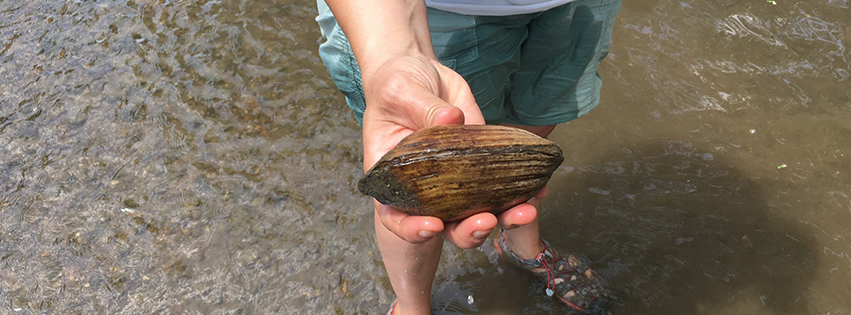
x=474 y=230
x=407 y=93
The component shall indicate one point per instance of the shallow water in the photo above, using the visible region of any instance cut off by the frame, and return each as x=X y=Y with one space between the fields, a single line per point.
x=175 y=157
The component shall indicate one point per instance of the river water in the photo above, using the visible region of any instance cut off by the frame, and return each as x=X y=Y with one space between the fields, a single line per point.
x=179 y=157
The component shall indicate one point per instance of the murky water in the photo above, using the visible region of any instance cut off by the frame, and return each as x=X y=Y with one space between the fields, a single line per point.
x=176 y=157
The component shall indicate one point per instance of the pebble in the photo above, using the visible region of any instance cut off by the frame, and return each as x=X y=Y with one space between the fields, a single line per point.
x=193 y=214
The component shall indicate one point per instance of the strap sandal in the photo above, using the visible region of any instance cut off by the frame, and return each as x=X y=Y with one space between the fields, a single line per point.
x=567 y=278
x=392 y=307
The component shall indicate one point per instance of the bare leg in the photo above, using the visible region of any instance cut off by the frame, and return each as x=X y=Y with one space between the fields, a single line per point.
x=525 y=241
x=411 y=268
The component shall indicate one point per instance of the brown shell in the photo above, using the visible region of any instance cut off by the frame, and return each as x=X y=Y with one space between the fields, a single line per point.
x=453 y=172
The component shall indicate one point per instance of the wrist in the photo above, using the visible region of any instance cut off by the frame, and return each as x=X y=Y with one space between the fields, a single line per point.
x=393 y=28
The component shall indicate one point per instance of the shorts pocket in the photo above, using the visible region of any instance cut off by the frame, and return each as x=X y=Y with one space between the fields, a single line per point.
x=453 y=37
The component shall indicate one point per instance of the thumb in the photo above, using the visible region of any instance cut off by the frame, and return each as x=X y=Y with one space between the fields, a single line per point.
x=431 y=110
x=445 y=115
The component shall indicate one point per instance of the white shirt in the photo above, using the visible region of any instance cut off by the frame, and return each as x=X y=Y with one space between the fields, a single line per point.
x=494 y=7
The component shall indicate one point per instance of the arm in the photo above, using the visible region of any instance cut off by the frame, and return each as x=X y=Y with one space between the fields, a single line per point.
x=407 y=89
x=381 y=29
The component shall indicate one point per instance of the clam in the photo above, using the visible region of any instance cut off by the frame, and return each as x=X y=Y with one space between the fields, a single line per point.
x=453 y=172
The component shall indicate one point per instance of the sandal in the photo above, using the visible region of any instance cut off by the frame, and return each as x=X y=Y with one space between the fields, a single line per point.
x=392 y=307
x=568 y=278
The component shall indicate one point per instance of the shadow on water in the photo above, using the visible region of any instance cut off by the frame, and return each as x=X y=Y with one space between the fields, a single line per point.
x=674 y=230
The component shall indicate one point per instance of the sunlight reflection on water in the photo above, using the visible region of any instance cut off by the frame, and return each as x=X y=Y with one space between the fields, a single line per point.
x=194 y=157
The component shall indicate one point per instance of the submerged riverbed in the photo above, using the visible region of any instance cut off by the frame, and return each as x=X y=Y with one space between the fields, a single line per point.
x=175 y=157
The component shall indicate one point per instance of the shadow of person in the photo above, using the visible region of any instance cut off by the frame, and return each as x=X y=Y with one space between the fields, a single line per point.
x=674 y=230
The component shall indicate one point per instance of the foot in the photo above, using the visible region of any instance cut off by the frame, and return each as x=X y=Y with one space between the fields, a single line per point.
x=567 y=277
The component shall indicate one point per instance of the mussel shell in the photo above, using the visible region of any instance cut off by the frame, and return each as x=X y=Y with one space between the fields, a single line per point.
x=453 y=172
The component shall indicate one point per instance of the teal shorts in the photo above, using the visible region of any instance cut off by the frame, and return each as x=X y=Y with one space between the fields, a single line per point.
x=532 y=69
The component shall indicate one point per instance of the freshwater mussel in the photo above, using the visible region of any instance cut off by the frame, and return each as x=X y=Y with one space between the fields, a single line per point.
x=453 y=172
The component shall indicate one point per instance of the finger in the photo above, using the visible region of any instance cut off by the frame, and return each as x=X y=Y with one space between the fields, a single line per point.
x=471 y=232
x=456 y=91
x=472 y=114
x=377 y=141
x=420 y=109
x=381 y=137
x=446 y=115
x=410 y=97
x=518 y=216
x=413 y=229
x=524 y=213
x=428 y=109
x=444 y=99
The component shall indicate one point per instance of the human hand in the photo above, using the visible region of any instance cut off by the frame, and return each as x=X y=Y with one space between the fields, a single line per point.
x=472 y=231
x=408 y=93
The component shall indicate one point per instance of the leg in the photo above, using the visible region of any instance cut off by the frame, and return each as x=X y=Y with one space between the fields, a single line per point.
x=562 y=274
x=525 y=241
x=411 y=268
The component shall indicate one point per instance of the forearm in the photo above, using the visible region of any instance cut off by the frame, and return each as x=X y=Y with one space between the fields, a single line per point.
x=381 y=29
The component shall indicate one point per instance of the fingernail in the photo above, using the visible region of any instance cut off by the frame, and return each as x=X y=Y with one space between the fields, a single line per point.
x=481 y=234
x=426 y=234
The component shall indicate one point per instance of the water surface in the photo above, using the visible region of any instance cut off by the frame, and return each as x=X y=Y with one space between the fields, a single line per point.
x=177 y=157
